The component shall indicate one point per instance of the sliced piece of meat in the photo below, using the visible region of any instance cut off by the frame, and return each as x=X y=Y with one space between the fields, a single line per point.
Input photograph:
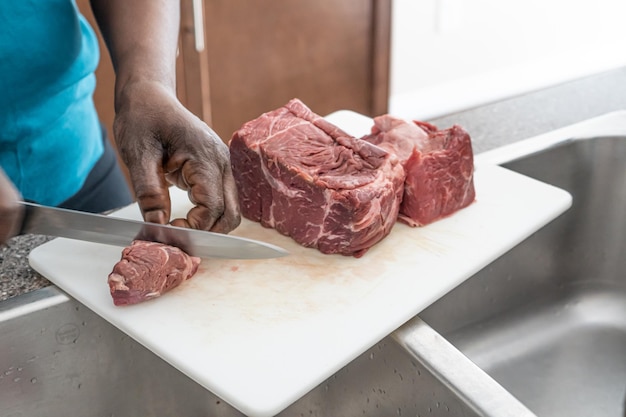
x=439 y=167
x=148 y=270
x=308 y=179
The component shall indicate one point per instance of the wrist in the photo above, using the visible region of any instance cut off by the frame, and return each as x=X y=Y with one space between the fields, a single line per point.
x=138 y=89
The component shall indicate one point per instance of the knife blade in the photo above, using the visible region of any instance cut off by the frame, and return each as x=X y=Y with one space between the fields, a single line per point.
x=109 y=230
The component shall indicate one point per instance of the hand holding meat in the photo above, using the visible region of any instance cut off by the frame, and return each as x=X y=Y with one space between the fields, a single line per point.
x=10 y=211
x=163 y=143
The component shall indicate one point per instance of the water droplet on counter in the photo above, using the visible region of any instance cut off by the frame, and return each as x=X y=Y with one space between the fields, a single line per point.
x=33 y=380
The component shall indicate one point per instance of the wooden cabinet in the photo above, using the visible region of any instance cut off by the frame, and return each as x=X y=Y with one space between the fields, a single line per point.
x=240 y=58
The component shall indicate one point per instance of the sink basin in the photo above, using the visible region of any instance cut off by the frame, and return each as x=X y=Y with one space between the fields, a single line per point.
x=547 y=321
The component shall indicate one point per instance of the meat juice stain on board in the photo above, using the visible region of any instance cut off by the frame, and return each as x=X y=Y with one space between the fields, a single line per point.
x=426 y=240
x=302 y=283
x=261 y=300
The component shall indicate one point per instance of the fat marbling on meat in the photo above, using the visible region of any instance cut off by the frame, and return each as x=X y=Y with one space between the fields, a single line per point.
x=439 y=167
x=308 y=179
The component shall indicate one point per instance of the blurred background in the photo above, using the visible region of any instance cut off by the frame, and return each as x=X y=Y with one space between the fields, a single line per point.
x=412 y=58
x=449 y=55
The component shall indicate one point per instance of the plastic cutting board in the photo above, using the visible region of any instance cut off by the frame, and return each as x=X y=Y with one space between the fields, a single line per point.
x=262 y=333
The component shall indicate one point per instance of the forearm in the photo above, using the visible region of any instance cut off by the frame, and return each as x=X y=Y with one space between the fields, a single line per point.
x=161 y=141
x=142 y=38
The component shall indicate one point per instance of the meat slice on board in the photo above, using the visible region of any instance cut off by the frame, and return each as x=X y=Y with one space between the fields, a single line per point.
x=148 y=270
x=308 y=179
x=439 y=167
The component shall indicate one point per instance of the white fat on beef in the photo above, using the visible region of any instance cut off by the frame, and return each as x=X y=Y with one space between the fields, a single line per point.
x=310 y=180
x=439 y=167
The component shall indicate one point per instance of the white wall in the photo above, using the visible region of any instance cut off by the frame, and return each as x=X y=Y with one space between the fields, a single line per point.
x=448 y=55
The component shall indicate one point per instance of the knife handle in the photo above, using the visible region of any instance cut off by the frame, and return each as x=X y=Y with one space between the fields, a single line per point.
x=28 y=223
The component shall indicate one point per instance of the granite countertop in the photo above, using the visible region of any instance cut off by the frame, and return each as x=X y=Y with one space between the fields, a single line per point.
x=16 y=276
x=490 y=126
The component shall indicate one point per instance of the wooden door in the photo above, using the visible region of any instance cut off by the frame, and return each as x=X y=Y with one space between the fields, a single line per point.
x=257 y=55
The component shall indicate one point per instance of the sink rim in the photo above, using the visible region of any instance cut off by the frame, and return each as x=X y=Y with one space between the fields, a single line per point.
x=416 y=335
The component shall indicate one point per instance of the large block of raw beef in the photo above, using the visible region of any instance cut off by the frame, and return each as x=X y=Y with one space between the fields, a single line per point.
x=439 y=167
x=308 y=179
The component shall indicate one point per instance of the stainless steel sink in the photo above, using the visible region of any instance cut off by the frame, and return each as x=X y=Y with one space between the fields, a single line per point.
x=541 y=331
x=548 y=320
x=57 y=358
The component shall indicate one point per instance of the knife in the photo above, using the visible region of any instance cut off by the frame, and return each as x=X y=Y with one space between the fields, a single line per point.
x=99 y=228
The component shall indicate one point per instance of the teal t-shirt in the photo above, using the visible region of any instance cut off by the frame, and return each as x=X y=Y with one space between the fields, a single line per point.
x=50 y=135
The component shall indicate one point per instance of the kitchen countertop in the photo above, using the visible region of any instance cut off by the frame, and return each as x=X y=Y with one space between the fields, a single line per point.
x=490 y=126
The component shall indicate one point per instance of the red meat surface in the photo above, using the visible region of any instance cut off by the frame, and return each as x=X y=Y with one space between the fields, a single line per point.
x=308 y=179
x=148 y=270
x=439 y=167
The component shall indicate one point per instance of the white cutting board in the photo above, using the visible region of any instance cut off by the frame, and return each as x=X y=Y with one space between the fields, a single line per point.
x=261 y=334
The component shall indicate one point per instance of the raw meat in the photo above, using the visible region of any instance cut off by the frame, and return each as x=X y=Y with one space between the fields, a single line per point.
x=148 y=270
x=308 y=179
x=439 y=167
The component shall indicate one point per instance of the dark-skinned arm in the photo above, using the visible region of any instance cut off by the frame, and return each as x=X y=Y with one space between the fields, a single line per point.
x=159 y=140
x=10 y=211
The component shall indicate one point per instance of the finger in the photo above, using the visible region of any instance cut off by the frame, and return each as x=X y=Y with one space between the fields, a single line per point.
x=151 y=190
x=202 y=180
x=208 y=207
x=143 y=154
x=199 y=217
x=231 y=216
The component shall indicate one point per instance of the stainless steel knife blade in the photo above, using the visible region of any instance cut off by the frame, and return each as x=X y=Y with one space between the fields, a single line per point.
x=109 y=230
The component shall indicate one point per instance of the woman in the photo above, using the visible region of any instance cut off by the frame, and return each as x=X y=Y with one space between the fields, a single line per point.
x=52 y=147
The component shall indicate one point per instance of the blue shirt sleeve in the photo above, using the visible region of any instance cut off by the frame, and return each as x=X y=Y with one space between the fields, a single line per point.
x=50 y=137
